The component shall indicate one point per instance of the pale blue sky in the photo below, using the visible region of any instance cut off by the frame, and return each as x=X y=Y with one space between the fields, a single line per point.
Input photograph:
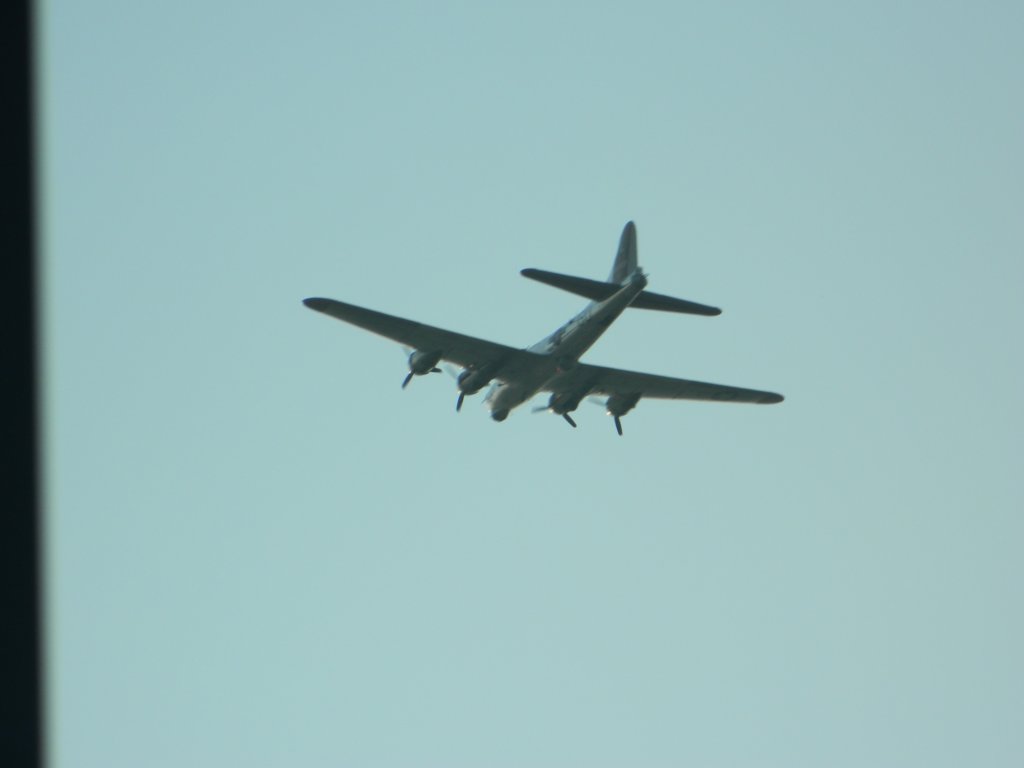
x=262 y=552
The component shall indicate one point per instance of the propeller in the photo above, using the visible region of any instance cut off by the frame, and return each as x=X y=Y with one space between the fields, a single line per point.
x=619 y=405
x=452 y=371
x=421 y=363
x=601 y=403
x=566 y=416
x=410 y=374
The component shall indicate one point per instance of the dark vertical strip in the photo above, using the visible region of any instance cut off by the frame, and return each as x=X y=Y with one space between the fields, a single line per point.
x=21 y=689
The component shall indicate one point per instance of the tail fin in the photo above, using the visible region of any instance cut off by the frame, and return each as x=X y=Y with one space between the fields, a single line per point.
x=624 y=267
x=625 y=259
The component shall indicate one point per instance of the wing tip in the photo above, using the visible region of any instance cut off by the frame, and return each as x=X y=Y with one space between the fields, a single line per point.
x=770 y=398
x=316 y=303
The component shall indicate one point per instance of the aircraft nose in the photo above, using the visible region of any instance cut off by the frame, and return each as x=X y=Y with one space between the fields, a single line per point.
x=500 y=415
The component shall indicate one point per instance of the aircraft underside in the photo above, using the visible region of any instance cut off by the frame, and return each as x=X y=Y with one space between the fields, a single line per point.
x=553 y=364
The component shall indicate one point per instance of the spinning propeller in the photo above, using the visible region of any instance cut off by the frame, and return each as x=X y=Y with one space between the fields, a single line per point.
x=566 y=416
x=422 y=363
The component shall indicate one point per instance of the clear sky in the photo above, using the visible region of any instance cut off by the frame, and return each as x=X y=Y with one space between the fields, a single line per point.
x=263 y=552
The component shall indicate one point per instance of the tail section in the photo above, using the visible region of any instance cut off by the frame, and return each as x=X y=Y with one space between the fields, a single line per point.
x=625 y=259
x=623 y=268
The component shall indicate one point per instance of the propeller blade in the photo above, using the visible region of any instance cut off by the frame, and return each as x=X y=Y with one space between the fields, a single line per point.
x=458 y=403
x=407 y=380
x=618 y=426
x=539 y=409
x=568 y=418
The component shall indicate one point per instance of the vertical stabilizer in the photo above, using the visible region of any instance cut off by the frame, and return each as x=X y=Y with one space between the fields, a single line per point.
x=625 y=259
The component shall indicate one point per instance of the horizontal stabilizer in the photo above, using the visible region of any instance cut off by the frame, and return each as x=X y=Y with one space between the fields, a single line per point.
x=599 y=291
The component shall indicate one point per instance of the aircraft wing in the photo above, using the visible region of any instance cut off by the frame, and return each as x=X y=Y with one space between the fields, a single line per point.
x=599 y=380
x=456 y=347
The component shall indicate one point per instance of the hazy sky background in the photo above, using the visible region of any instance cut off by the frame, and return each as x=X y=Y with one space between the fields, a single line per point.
x=262 y=552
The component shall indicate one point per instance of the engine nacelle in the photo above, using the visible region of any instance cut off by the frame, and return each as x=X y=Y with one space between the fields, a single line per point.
x=472 y=380
x=421 y=363
x=620 y=405
x=565 y=402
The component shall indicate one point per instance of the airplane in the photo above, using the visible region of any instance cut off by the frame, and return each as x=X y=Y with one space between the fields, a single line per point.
x=553 y=363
